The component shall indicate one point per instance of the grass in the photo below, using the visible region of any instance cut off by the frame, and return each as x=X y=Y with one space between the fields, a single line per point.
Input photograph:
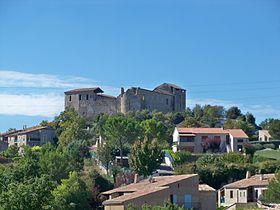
x=272 y=154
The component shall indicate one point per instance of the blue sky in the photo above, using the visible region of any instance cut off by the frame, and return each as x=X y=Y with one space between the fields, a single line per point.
x=224 y=52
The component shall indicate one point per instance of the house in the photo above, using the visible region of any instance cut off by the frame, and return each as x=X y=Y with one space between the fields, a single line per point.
x=34 y=136
x=183 y=190
x=200 y=140
x=248 y=190
x=4 y=139
x=264 y=135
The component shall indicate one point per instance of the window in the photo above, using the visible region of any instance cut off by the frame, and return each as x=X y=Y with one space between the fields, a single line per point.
x=240 y=140
x=80 y=97
x=240 y=194
x=187 y=139
x=87 y=96
x=231 y=194
x=70 y=98
x=173 y=198
x=167 y=101
x=257 y=192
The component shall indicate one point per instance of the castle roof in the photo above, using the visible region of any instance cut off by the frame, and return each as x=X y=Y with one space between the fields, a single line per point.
x=85 y=90
x=169 y=84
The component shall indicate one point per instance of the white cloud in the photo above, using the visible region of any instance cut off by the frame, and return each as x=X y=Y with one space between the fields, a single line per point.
x=44 y=93
x=21 y=79
x=47 y=105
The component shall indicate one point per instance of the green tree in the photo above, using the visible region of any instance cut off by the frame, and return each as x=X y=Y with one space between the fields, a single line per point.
x=153 y=129
x=70 y=194
x=70 y=127
x=213 y=115
x=198 y=112
x=54 y=163
x=233 y=113
x=11 y=152
x=272 y=195
x=250 y=118
x=120 y=130
x=145 y=157
x=31 y=194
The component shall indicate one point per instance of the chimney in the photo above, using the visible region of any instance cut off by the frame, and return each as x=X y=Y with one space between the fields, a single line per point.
x=248 y=174
x=261 y=177
x=136 y=178
x=122 y=90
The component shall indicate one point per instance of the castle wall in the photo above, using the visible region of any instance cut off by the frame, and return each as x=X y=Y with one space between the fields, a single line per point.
x=89 y=105
x=135 y=99
x=165 y=98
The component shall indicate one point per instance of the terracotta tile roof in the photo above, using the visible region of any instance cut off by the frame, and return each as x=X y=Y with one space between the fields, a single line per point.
x=28 y=130
x=144 y=187
x=9 y=132
x=202 y=130
x=82 y=90
x=237 y=133
x=252 y=181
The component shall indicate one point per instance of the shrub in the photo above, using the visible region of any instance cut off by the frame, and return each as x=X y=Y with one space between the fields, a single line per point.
x=258 y=146
x=269 y=146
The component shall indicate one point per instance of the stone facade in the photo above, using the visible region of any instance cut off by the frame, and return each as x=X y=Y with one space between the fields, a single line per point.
x=35 y=136
x=89 y=102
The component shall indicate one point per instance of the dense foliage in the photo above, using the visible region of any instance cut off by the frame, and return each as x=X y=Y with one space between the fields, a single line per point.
x=65 y=176
x=217 y=170
x=145 y=157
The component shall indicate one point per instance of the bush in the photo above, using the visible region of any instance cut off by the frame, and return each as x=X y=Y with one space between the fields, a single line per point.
x=269 y=166
x=188 y=168
x=258 y=146
x=269 y=146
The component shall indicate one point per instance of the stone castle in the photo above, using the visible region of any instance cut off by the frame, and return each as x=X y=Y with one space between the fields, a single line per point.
x=89 y=102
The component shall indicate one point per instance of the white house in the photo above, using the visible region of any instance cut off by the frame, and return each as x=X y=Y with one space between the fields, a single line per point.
x=199 y=140
x=247 y=190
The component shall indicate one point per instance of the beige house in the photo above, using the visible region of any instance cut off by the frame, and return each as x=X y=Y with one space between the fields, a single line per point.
x=34 y=136
x=248 y=190
x=183 y=190
x=200 y=140
x=264 y=135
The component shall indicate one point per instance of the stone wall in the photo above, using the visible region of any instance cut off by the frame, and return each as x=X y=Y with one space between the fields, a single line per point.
x=89 y=105
x=135 y=99
x=164 y=98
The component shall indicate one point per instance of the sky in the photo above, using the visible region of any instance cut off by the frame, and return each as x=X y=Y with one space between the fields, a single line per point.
x=223 y=52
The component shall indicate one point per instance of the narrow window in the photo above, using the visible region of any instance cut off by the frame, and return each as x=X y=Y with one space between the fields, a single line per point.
x=70 y=98
x=80 y=97
x=171 y=198
x=167 y=101
x=231 y=194
x=257 y=192
x=87 y=96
